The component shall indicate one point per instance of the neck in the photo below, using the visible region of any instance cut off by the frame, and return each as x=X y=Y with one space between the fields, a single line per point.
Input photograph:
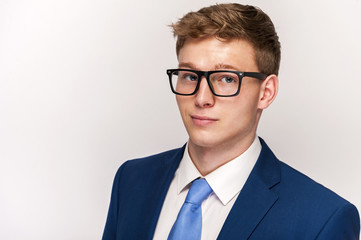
x=209 y=158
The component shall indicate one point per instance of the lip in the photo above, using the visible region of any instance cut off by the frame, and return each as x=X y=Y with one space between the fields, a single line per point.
x=202 y=120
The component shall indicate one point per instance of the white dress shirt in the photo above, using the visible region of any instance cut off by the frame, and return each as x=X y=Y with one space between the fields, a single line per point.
x=226 y=182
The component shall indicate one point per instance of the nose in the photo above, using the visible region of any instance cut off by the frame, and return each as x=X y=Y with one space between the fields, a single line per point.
x=204 y=97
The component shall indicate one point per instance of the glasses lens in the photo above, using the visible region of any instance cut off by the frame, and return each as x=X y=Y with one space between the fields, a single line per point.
x=224 y=83
x=184 y=82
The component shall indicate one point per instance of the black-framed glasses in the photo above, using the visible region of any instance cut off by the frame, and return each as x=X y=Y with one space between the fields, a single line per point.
x=223 y=83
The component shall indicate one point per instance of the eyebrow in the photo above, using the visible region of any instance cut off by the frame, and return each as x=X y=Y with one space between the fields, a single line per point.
x=224 y=66
x=218 y=66
x=187 y=65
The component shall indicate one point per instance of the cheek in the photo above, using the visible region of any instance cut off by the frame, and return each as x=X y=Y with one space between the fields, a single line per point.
x=250 y=95
x=182 y=103
x=243 y=109
x=179 y=100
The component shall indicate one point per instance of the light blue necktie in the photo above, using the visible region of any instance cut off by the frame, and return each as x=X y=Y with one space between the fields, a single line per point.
x=188 y=225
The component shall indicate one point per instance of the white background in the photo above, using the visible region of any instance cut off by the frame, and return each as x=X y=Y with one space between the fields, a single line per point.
x=83 y=88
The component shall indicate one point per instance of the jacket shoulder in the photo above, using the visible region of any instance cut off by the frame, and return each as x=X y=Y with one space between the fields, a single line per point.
x=304 y=199
x=155 y=159
x=306 y=188
x=140 y=169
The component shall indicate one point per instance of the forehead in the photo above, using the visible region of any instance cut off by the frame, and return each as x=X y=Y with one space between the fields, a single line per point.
x=211 y=53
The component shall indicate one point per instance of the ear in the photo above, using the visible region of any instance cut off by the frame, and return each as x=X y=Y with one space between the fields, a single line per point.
x=268 y=92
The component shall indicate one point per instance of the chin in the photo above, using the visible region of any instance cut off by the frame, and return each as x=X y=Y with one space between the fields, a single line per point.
x=202 y=141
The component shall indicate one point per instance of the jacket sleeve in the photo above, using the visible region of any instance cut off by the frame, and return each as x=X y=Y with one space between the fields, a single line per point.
x=343 y=224
x=110 y=229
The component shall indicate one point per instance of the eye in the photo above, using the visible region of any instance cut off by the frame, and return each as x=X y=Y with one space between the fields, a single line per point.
x=228 y=79
x=189 y=77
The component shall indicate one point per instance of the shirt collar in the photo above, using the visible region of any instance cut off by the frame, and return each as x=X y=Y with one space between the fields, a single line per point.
x=187 y=172
x=226 y=181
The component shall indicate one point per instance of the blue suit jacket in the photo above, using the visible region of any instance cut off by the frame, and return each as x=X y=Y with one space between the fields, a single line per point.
x=276 y=202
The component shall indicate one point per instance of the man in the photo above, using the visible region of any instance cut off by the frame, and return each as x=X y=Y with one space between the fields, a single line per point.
x=235 y=188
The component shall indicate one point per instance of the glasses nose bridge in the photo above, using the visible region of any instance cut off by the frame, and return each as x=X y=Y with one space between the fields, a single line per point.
x=204 y=74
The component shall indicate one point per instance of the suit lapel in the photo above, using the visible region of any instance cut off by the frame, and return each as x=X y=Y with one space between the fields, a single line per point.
x=155 y=197
x=255 y=199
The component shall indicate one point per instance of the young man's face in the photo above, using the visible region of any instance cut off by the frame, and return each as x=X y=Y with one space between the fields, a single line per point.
x=220 y=121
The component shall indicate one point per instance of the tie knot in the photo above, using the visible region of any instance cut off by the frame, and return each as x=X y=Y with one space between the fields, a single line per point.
x=198 y=191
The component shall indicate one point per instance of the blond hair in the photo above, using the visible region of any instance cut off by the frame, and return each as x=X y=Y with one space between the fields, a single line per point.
x=234 y=21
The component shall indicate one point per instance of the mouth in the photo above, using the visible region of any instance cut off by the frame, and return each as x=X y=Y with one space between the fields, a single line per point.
x=202 y=120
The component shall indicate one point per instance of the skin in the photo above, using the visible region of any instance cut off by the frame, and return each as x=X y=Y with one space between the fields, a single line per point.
x=222 y=128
